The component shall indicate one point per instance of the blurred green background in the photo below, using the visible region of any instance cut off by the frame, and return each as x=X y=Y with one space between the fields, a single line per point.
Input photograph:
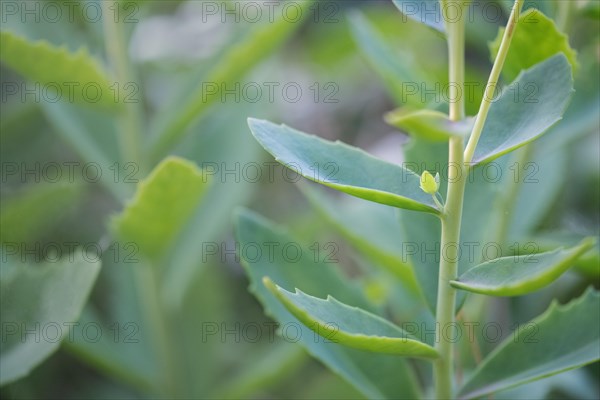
x=176 y=47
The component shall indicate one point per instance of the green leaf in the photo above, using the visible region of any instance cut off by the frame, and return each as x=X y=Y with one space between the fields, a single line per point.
x=236 y=63
x=223 y=141
x=430 y=125
x=574 y=384
x=342 y=167
x=116 y=358
x=350 y=326
x=518 y=275
x=368 y=372
x=93 y=137
x=31 y=214
x=372 y=228
x=281 y=361
x=542 y=178
x=588 y=264
x=534 y=102
x=536 y=38
x=38 y=304
x=72 y=73
x=162 y=204
x=375 y=232
x=428 y=12
x=591 y=9
x=396 y=68
x=563 y=338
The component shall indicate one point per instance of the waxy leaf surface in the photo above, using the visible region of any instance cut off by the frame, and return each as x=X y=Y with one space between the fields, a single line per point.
x=343 y=167
x=563 y=338
x=350 y=326
x=368 y=372
x=526 y=109
x=518 y=275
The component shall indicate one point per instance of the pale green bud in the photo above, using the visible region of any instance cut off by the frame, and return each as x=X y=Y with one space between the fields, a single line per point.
x=429 y=184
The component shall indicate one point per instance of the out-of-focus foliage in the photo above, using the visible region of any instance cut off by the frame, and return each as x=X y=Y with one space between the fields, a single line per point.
x=179 y=79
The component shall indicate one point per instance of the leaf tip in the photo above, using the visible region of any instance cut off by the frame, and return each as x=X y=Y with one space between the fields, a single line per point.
x=269 y=283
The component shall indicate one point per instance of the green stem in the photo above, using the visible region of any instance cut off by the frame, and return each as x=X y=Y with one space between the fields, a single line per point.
x=443 y=371
x=492 y=83
x=130 y=118
x=450 y=241
x=452 y=214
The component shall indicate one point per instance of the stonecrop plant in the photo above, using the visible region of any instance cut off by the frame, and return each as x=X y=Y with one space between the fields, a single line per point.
x=463 y=262
x=443 y=204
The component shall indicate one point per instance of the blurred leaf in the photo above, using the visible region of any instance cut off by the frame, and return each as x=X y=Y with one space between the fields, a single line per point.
x=39 y=61
x=370 y=227
x=576 y=384
x=162 y=204
x=29 y=215
x=116 y=353
x=93 y=138
x=536 y=38
x=38 y=302
x=346 y=168
x=428 y=12
x=349 y=326
x=422 y=249
x=223 y=143
x=240 y=59
x=592 y=9
x=397 y=69
x=205 y=362
x=519 y=275
x=430 y=125
x=512 y=123
x=375 y=231
x=368 y=372
x=563 y=338
x=279 y=362
x=541 y=178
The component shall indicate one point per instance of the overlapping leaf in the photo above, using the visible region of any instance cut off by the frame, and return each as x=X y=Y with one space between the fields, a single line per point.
x=561 y=339
x=71 y=76
x=161 y=206
x=518 y=275
x=430 y=125
x=396 y=68
x=536 y=38
x=368 y=372
x=528 y=107
x=350 y=326
x=343 y=167
x=38 y=304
